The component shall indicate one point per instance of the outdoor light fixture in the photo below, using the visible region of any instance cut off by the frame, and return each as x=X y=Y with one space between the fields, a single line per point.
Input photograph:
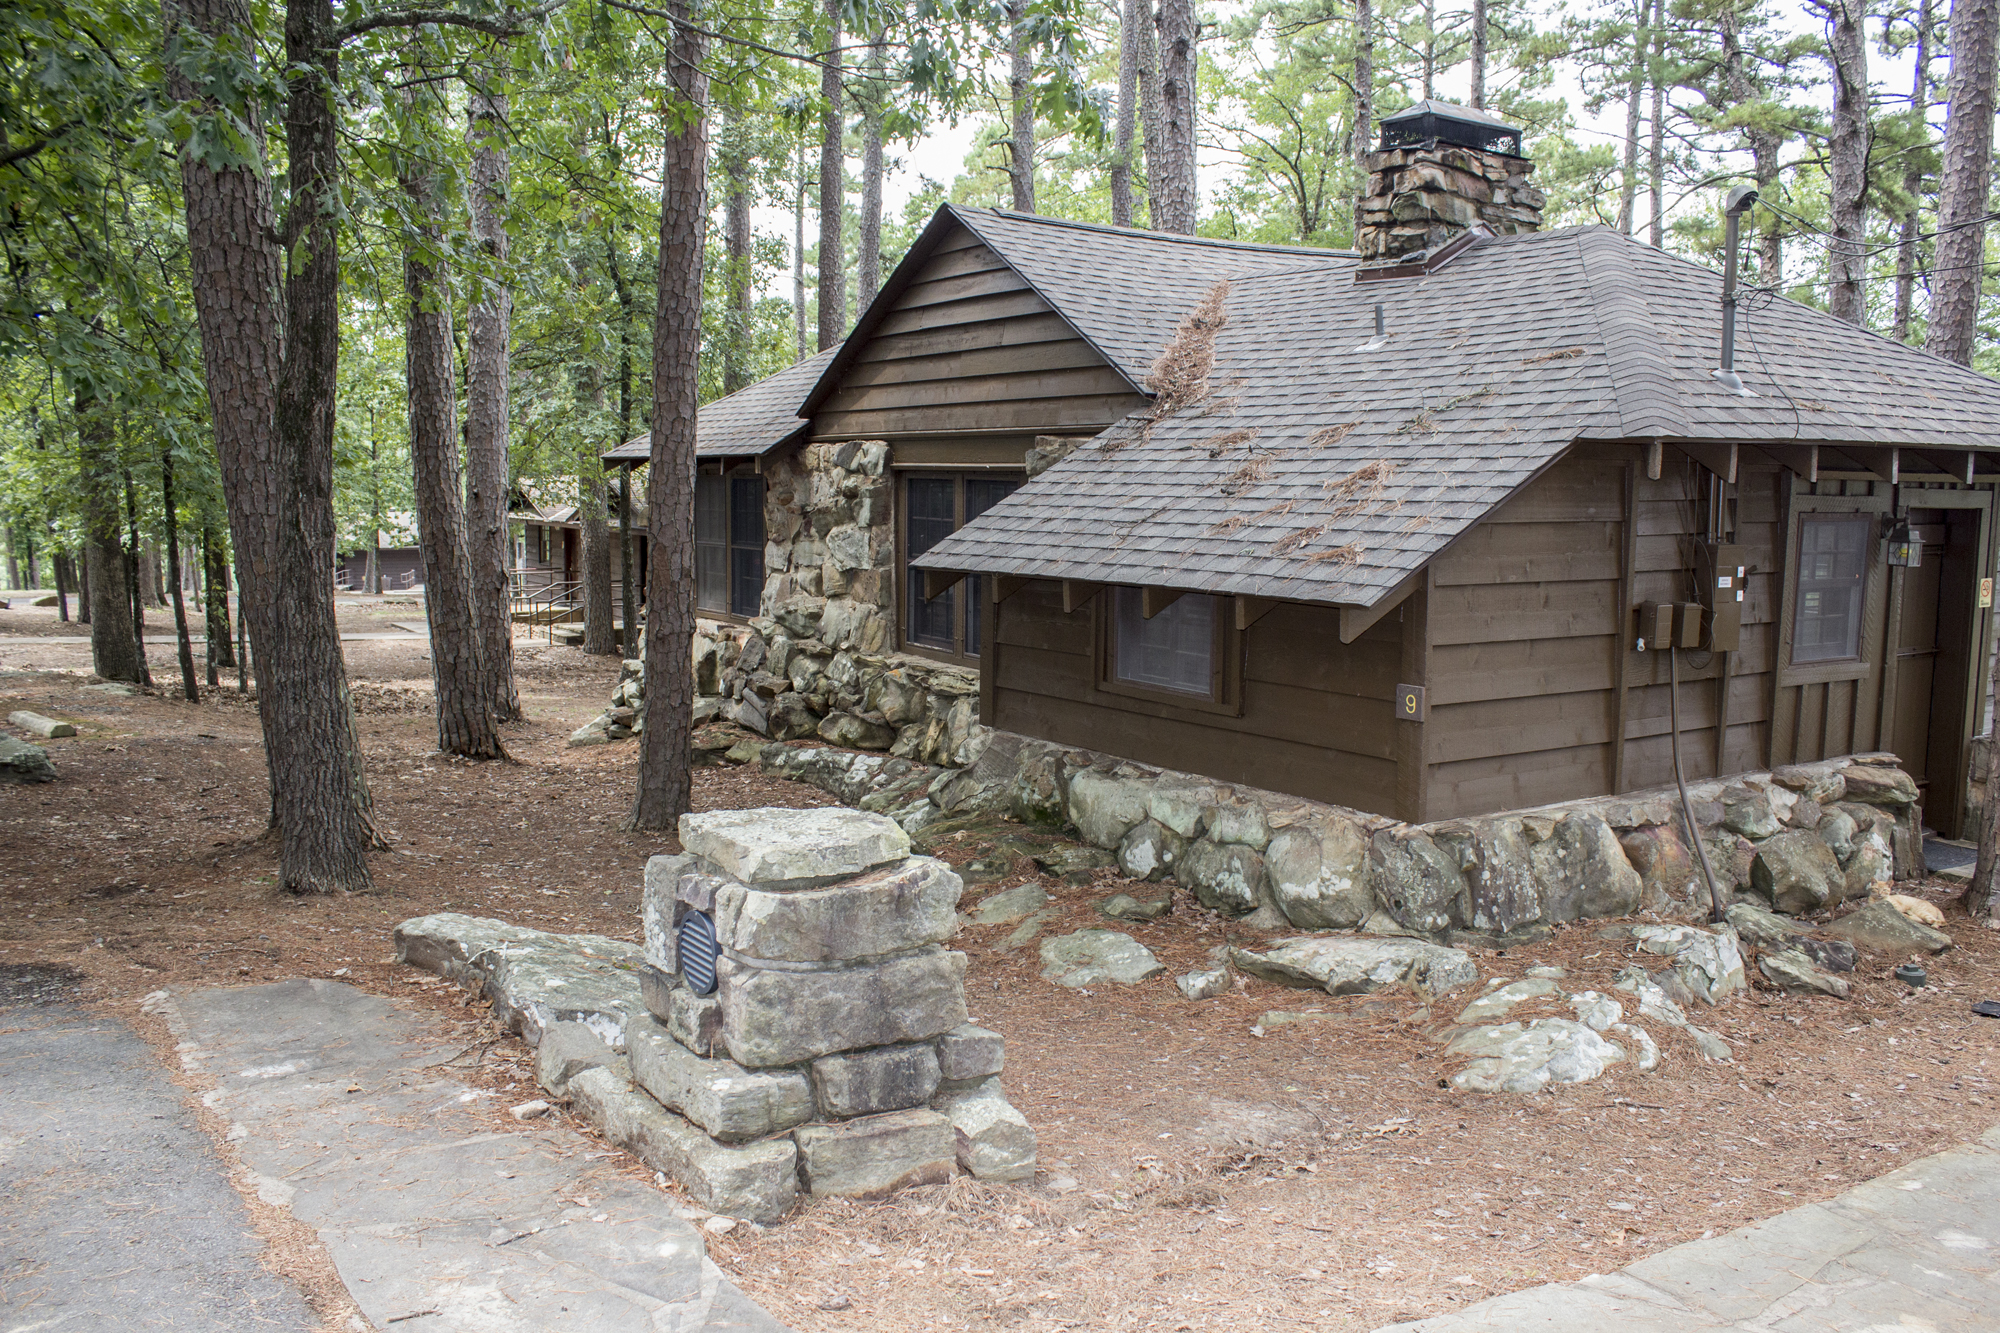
x=1906 y=549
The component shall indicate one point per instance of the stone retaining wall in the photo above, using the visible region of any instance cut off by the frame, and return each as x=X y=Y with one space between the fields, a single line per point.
x=1798 y=840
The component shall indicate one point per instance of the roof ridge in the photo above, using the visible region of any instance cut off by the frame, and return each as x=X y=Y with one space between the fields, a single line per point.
x=1145 y=233
x=1636 y=356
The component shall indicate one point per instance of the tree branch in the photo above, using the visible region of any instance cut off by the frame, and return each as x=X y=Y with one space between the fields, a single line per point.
x=512 y=24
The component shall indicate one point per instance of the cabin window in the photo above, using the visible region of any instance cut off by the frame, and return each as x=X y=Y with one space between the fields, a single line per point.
x=1832 y=587
x=933 y=508
x=729 y=543
x=1173 y=651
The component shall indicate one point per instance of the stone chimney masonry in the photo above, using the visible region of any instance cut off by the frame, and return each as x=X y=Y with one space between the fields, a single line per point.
x=1442 y=169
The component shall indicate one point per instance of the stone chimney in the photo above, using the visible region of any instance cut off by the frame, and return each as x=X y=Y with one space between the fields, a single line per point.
x=1440 y=170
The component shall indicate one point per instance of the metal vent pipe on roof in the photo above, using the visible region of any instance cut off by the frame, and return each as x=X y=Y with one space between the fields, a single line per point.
x=1734 y=207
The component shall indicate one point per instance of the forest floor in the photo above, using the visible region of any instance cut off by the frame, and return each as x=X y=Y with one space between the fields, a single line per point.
x=1194 y=1175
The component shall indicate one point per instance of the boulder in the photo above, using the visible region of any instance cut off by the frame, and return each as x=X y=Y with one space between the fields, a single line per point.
x=885 y=1078
x=855 y=732
x=730 y=1103
x=1226 y=877
x=1748 y=812
x=1823 y=785
x=1238 y=821
x=1104 y=806
x=1150 y=850
x=24 y=763
x=899 y=907
x=790 y=717
x=1318 y=872
x=783 y=847
x=1356 y=966
x=1793 y=971
x=1416 y=881
x=877 y=1155
x=1040 y=795
x=968 y=1051
x=1828 y=955
x=1502 y=888
x=993 y=1140
x=1879 y=784
x=1179 y=803
x=1654 y=1002
x=1600 y=1012
x=1837 y=829
x=1527 y=1057
x=1124 y=907
x=1880 y=928
x=1766 y=930
x=758 y=1181
x=1870 y=871
x=785 y=1017
x=567 y=1050
x=1708 y=963
x=1009 y=905
x=48 y=728
x=1205 y=984
x=1584 y=872
x=1094 y=956
x=1498 y=1002
x=1669 y=879
x=1796 y=872
x=695 y=1021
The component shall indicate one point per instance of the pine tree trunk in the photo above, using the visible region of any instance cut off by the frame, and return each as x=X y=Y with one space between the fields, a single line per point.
x=64 y=586
x=83 y=589
x=488 y=336
x=189 y=686
x=628 y=591
x=114 y=652
x=1963 y=180
x=1364 y=101
x=600 y=636
x=1913 y=179
x=1479 y=55
x=1628 y=184
x=665 y=786
x=221 y=648
x=1764 y=147
x=1125 y=133
x=628 y=594
x=1021 y=106
x=151 y=585
x=832 y=200
x=1847 y=160
x=868 y=263
x=799 y=256
x=738 y=276
x=321 y=791
x=1173 y=194
x=1152 y=119
x=1656 y=160
x=465 y=703
x=134 y=580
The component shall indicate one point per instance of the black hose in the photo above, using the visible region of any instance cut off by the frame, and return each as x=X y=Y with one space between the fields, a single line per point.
x=1716 y=912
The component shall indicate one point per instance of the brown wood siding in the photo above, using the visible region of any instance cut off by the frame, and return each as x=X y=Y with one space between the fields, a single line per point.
x=1315 y=718
x=969 y=347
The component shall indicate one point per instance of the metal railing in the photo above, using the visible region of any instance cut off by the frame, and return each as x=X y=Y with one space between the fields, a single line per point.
x=548 y=605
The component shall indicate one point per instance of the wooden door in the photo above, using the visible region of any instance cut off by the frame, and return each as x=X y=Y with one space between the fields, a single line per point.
x=1935 y=678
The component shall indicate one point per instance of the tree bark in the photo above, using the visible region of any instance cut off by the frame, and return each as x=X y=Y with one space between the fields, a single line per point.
x=1364 y=101
x=134 y=580
x=114 y=651
x=1628 y=184
x=628 y=591
x=1152 y=118
x=151 y=589
x=1656 y=160
x=1847 y=160
x=799 y=256
x=1764 y=146
x=1479 y=55
x=466 y=723
x=664 y=780
x=221 y=648
x=832 y=196
x=1125 y=131
x=1173 y=183
x=488 y=337
x=600 y=636
x=628 y=594
x=63 y=586
x=738 y=277
x=1021 y=107
x=189 y=686
x=868 y=262
x=1964 y=177
x=1913 y=178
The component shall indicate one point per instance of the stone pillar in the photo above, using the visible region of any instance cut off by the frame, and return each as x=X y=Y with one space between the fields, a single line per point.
x=837 y=1017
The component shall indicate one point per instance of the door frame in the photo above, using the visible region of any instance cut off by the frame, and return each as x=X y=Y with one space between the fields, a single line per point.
x=1947 y=820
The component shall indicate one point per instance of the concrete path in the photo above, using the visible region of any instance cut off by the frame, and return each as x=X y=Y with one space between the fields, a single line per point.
x=115 y=1213
x=1916 y=1251
x=346 y=1110
x=169 y=640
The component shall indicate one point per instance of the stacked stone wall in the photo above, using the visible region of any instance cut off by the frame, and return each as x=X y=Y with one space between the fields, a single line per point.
x=1418 y=198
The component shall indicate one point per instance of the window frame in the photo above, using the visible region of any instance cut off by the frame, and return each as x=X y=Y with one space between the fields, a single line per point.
x=1874 y=591
x=969 y=591
x=1225 y=661
x=729 y=477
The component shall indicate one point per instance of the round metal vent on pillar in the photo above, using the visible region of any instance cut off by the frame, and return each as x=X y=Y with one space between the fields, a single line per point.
x=695 y=937
x=1432 y=122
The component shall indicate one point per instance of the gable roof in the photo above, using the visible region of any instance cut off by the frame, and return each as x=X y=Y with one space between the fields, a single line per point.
x=754 y=420
x=1328 y=466
x=1121 y=290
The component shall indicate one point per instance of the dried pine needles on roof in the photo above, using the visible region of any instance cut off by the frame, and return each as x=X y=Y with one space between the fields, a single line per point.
x=1179 y=377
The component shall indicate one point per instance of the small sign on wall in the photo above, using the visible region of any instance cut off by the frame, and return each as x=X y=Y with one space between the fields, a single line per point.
x=1985 y=593
x=1410 y=705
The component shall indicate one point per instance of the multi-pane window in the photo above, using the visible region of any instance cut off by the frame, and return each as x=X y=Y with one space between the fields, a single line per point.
x=729 y=543
x=933 y=509
x=1832 y=581
x=1174 y=651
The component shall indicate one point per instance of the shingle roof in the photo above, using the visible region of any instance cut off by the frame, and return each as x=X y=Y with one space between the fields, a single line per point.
x=1326 y=467
x=1121 y=289
x=753 y=420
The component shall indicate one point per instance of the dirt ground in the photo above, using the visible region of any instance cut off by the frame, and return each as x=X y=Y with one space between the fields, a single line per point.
x=1194 y=1175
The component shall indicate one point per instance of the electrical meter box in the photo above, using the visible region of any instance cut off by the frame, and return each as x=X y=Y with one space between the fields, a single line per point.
x=1664 y=625
x=1722 y=568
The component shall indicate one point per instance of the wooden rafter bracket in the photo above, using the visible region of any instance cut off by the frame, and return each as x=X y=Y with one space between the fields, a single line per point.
x=1801 y=459
x=1721 y=459
x=1946 y=462
x=1152 y=601
x=1250 y=610
x=1076 y=594
x=937 y=582
x=1002 y=586
x=1355 y=621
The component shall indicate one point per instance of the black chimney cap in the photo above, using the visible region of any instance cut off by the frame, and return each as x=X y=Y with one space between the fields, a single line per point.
x=1432 y=122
